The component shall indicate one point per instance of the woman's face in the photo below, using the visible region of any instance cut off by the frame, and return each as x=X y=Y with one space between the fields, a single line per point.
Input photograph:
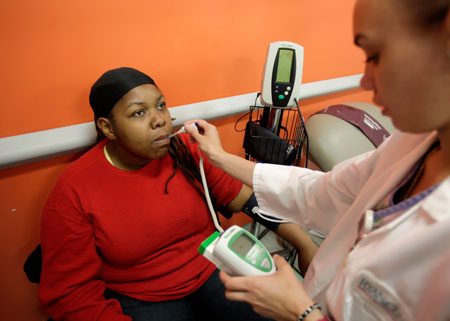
x=141 y=122
x=407 y=68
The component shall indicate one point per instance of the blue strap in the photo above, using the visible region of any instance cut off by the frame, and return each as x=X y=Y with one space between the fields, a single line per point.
x=404 y=204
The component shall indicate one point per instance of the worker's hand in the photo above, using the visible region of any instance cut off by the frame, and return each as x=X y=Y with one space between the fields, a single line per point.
x=207 y=138
x=279 y=296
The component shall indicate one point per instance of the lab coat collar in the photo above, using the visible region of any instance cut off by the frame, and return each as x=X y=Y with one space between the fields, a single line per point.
x=436 y=204
x=386 y=177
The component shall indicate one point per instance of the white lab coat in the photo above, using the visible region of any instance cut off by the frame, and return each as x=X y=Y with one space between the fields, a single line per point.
x=400 y=271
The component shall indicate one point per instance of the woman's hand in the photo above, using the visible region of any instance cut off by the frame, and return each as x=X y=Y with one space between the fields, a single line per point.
x=280 y=296
x=207 y=138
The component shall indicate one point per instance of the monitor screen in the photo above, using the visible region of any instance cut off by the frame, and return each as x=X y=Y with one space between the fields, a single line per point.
x=242 y=244
x=285 y=58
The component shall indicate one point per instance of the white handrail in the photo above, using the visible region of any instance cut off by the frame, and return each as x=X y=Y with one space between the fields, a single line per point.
x=27 y=148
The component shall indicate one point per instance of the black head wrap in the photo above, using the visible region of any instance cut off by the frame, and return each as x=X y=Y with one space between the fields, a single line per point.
x=112 y=86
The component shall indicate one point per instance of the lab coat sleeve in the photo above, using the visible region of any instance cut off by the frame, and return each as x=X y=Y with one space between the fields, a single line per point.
x=313 y=199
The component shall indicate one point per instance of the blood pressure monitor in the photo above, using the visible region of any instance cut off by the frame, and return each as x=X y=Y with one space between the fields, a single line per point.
x=238 y=252
x=282 y=74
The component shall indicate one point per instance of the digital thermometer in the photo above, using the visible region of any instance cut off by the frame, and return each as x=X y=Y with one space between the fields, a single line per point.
x=282 y=74
x=238 y=252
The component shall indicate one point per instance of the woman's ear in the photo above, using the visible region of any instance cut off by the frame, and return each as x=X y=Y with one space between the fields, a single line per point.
x=106 y=127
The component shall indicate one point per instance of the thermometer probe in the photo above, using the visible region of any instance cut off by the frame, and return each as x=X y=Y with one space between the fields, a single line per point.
x=182 y=130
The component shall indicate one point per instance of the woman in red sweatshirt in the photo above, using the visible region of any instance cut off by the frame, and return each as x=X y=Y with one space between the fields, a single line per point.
x=121 y=229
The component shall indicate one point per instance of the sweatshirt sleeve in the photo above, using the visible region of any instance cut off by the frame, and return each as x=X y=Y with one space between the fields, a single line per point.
x=70 y=287
x=222 y=186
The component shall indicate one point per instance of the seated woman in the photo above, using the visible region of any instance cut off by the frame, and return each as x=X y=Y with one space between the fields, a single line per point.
x=122 y=227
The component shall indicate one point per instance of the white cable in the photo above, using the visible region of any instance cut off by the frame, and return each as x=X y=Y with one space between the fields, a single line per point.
x=266 y=218
x=205 y=185
x=208 y=198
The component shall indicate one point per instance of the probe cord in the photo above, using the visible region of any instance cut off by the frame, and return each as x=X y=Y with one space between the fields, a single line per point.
x=267 y=218
x=208 y=198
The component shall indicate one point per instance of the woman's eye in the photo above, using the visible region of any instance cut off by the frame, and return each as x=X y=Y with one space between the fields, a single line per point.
x=162 y=105
x=373 y=58
x=138 y=113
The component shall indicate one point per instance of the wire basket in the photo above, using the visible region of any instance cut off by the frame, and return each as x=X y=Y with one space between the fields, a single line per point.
x=275 y=135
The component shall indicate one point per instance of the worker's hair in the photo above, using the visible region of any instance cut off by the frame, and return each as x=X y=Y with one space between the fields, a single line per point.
x=426 y=13
x=183 y=160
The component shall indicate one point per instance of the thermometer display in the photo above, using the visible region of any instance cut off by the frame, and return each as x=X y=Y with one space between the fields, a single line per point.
x=238 y=252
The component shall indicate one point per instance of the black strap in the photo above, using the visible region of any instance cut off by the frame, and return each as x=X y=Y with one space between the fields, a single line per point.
x=33 y=265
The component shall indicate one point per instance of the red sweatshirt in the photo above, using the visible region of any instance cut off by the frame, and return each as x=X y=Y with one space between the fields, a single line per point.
x=106 y=227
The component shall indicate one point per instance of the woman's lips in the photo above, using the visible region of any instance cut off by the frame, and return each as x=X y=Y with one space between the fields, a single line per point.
x=162 y=140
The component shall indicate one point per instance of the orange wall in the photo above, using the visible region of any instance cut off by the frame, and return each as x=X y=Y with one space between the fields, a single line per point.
x=52 y=51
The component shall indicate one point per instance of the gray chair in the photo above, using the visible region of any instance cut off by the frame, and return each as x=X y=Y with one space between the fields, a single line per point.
x=333 y=140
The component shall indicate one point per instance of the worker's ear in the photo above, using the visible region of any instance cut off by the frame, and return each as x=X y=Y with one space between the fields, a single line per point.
x=107 y=128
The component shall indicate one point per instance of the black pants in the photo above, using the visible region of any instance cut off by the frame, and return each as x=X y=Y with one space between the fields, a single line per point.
x=207 y=303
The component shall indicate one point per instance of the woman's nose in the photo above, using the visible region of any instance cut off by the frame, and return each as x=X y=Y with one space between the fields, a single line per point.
x=367 y=79
x=157 y=121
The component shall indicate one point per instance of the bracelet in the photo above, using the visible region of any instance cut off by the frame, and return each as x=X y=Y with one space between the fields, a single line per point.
x=308 y=311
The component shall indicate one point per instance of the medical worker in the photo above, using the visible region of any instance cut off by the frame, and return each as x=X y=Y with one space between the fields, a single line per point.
x=387 y=212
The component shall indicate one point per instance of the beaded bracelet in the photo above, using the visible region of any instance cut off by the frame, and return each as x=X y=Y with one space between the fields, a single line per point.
x=308 y=311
